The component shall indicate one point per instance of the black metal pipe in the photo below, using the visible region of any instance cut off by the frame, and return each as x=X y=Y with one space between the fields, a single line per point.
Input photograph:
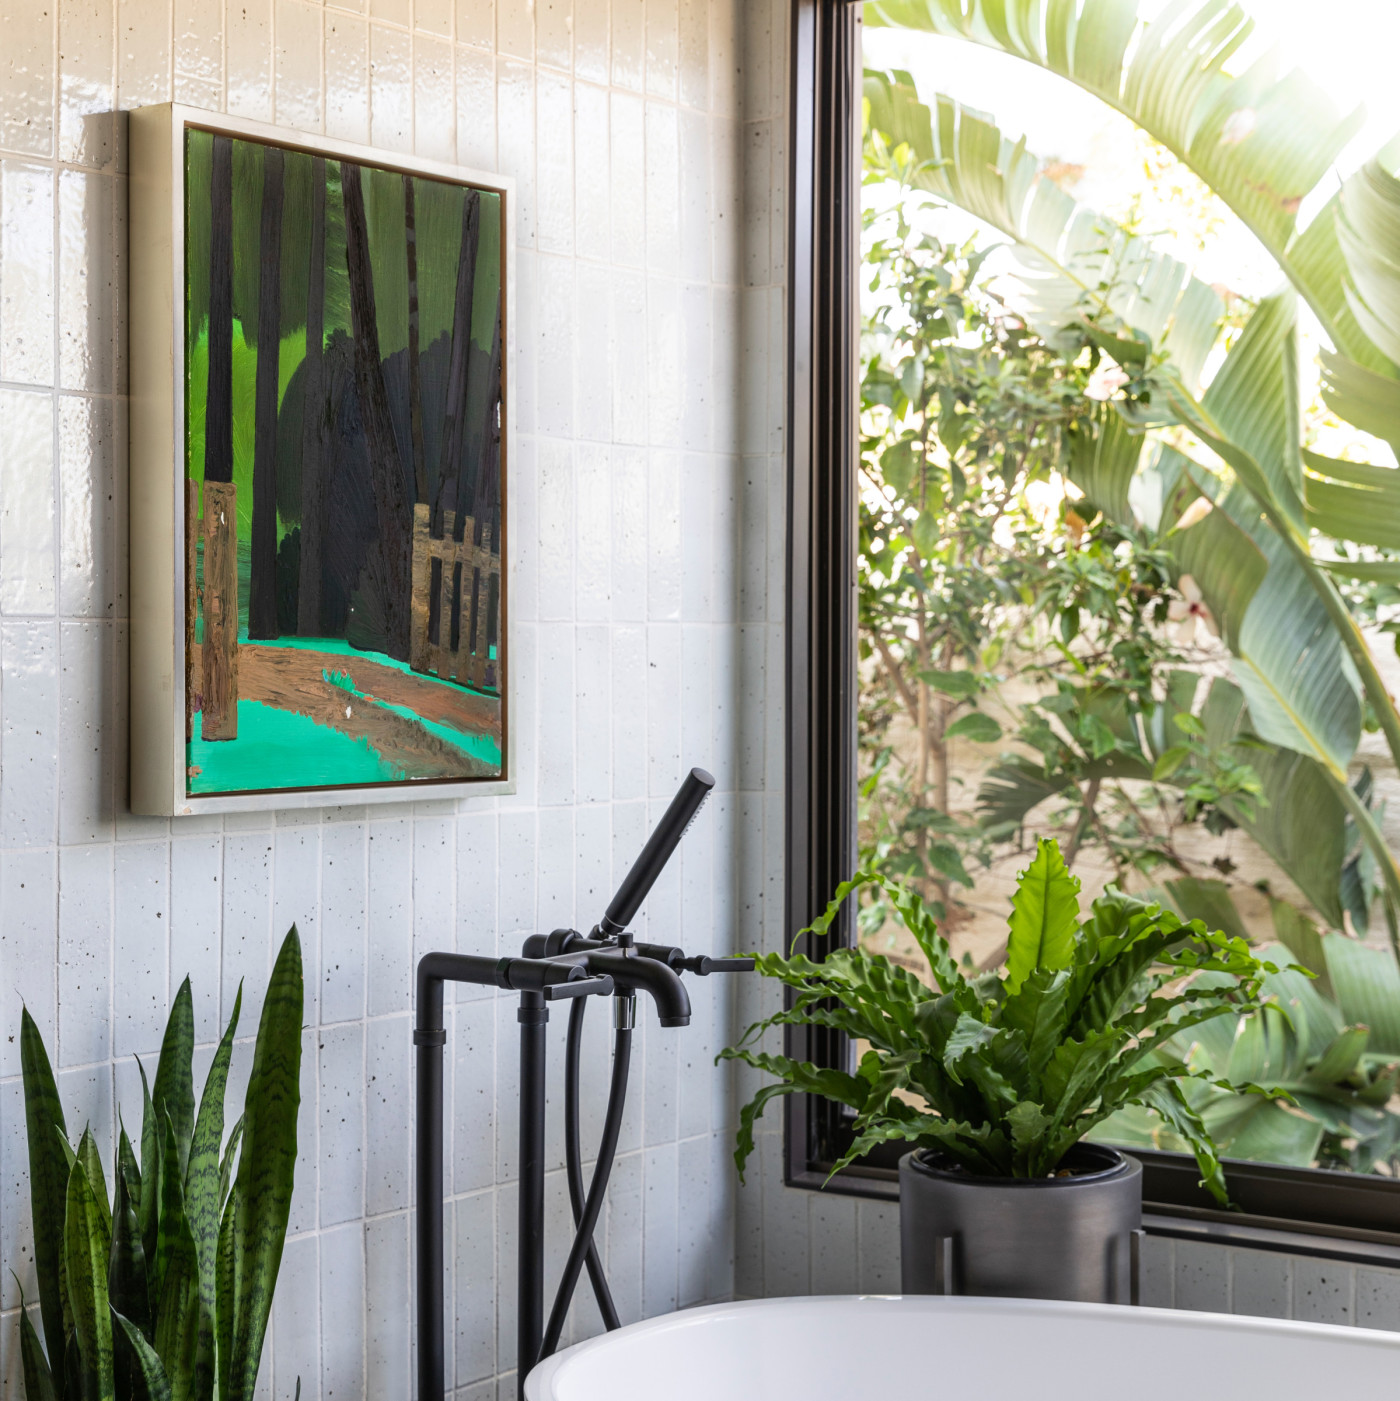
x=533 y=1016
x=538 y=980
x=573 y=1162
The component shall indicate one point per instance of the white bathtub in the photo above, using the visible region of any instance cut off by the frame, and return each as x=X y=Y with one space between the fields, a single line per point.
x=871 y=1348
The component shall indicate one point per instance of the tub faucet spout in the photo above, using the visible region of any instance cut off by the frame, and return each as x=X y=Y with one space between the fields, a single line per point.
x=630 y=971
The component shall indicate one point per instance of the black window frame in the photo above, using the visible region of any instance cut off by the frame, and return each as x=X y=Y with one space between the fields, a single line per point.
x=1336 y=1215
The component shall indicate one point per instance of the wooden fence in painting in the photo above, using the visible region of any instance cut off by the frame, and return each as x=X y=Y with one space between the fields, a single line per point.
x=216 y=687
x=456 y=604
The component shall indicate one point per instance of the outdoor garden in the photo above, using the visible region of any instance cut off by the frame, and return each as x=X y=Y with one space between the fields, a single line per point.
x=1130 y=533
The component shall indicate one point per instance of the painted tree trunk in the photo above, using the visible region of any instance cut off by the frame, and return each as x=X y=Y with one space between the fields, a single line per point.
x=262 y=588
x=390 y=557
x=481 y=485
x=313 y=428
x=218 y=408
x=484 y=596
x=219 y=651
x=415 y=389
x=455 y=413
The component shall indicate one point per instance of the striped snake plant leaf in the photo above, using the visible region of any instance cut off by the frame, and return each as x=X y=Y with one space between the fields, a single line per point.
x=87 y=1250
x=225 y=1300
x=177 y=1333
x=148 y=1211
x=88 y=1156
x=202 y=1184
x=1260 y=139
x=48 y=1184
x=262 y=1197
x=126 y=1274
x=38 y=1376
x=152 y=1372
x=228 y=1162
x=173 y=1090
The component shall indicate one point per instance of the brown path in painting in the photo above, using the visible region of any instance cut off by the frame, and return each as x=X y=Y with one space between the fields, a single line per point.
x=290 y=678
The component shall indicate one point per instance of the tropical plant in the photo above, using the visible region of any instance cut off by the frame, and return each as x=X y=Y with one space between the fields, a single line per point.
x=161 y=1290
x=1331 y=1045
x=1014 y=1067
x=1244 y=534
x=965 y=580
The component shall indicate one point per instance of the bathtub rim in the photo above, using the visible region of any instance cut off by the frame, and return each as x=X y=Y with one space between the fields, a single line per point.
x=537 y=1382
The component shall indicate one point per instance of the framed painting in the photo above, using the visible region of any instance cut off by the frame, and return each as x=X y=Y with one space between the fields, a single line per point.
x=320 y=443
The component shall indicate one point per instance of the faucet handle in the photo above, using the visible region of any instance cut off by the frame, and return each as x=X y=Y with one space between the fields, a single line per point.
x=703 y=965
x=599 y=983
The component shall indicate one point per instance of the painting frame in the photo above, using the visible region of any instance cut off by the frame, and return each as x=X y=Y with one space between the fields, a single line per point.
x=161 y=557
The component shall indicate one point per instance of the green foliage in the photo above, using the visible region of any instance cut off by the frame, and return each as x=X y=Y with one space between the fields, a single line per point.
x=134 y=1304
x=966 y=414
x=1337 y=1073
x=1095 y=285
x=1013 y=1070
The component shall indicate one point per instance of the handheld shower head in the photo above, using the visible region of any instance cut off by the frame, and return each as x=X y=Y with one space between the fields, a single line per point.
x=657 y=852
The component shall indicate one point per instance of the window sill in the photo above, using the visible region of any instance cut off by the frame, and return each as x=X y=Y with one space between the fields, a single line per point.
x=1330 y=1215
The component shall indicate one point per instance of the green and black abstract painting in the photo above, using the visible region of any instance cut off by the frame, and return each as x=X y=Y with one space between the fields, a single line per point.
x=344 y=611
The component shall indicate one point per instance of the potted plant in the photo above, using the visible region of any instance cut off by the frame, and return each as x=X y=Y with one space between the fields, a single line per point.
x=997 y=1079
x=164 y=1287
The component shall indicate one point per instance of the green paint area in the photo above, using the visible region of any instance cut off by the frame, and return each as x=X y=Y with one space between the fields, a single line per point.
x=281 y=749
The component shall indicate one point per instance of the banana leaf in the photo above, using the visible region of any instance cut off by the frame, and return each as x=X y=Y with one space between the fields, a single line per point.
x=1369 y=236
x=1261 y=139
x=1302 y=823
x=1081 y=269
x=1367 y=984
x=1295 y=621
x=1353 y=501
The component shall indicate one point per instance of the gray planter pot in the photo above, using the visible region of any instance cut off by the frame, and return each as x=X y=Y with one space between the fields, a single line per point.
x=1028 y=1238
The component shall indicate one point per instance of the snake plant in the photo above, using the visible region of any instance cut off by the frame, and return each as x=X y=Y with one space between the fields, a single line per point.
x=1015 y=1066
x=162 y=1287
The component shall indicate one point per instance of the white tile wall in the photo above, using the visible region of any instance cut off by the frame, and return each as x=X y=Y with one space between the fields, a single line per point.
x=646 y=610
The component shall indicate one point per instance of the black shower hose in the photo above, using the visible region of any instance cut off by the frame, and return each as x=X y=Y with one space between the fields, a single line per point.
x=586 y=1215
x=573 y=1159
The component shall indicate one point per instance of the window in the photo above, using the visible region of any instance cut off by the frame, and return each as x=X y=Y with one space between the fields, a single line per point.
x=846 y=713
